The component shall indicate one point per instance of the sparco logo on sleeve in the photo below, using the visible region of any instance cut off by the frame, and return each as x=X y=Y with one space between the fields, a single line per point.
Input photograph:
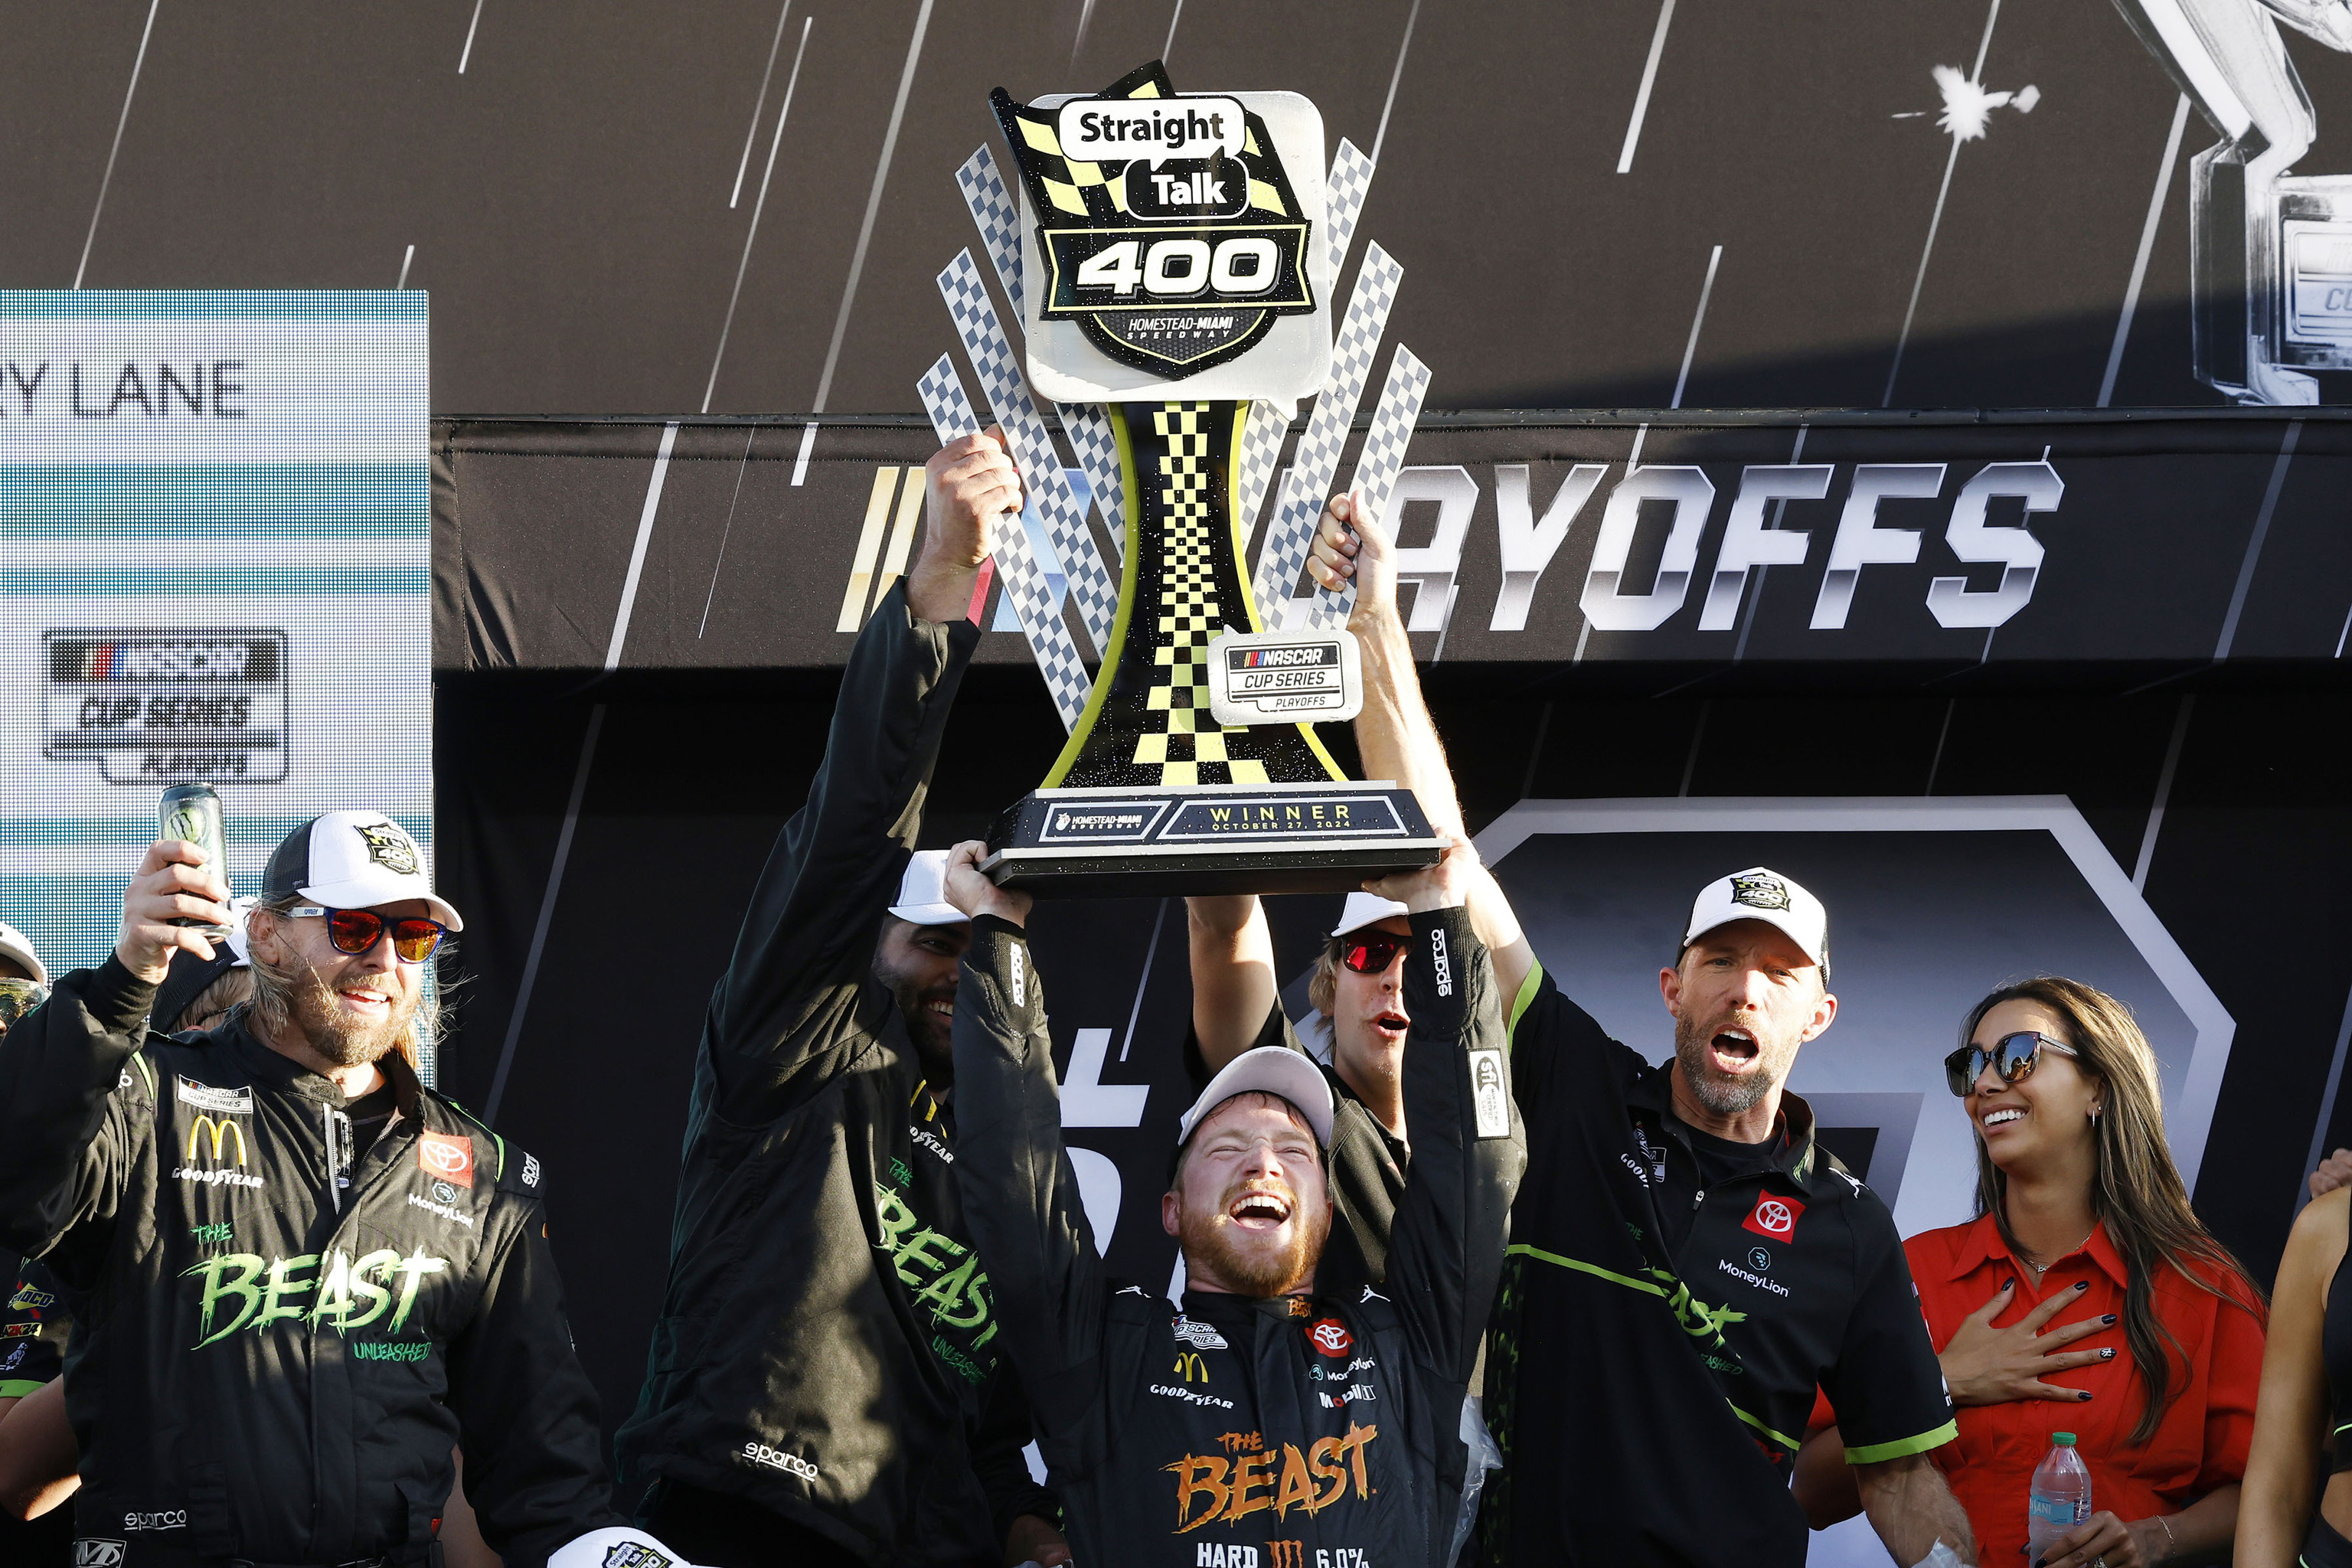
x=1444 y=961
x=774 y=1460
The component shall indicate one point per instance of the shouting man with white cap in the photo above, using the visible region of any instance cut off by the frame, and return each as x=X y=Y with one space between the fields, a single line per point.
x=1358 y=993
x=306 y=1277
x=1687 y=1265
x=1263 y=1419
x=823 y=1384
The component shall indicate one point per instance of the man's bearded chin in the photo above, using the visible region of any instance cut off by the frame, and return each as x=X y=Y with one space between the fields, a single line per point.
x=1723 y=1093
x=1257 y=1271
x=335 y=1033
x=931 y=1030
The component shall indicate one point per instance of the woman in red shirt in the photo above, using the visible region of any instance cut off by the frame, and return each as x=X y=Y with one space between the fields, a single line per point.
x=2082 y=1217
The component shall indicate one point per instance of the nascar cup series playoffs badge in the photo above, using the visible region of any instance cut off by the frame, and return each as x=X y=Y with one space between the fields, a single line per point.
x=1169 y=229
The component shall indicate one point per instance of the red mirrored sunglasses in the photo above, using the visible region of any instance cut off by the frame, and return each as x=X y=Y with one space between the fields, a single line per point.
x=355 y=932
x=1371 y=954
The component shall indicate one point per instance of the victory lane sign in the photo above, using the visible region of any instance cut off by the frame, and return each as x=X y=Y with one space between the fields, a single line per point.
x=1169 y=231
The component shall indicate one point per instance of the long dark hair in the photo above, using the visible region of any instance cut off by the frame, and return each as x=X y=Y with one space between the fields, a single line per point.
x=2137 y=1191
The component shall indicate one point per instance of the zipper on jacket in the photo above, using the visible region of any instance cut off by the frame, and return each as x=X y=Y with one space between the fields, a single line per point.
x=339 y=1153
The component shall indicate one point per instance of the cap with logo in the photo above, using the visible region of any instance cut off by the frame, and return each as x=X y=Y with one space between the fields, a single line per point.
x=15 y=946
x=922 y=892
x=1367 y=908
x=354 y=860
x=1268 y=1069
x=1761 y=894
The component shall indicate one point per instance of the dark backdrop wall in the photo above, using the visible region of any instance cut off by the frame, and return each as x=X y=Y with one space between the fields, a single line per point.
x=579 y=183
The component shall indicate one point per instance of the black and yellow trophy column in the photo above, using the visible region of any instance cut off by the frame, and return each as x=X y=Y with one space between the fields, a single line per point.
x=1148 y=723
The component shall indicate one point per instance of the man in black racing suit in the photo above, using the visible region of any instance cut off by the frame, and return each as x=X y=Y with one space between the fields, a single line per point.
x=1257 y=1425
x=823 y=1384
x=306 y=1277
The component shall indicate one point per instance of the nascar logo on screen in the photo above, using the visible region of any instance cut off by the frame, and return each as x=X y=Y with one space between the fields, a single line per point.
x=1170 y=230
x=167 y=707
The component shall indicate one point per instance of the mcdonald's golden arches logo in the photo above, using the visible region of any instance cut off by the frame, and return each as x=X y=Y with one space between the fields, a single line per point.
x=1190 y=1367
x=221 y=1130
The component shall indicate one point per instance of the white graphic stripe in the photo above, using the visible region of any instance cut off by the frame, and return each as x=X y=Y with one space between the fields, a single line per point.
x=1359 y=340
x=872 y=206
x=1649 y=80
x=1049 y=639
x=1379 y=464
x=113 y=153
x=2146 y=243
x=759 y=106
x=637 y=551
x=758 y=207
x=1041 y=467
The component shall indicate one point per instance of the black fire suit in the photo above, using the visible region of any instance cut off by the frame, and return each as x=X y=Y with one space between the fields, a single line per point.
x=1297 y=1432
x=280 y=1345
x=827 y=1347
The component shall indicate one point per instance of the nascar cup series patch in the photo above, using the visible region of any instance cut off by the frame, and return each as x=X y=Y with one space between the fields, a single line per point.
x=1169 y=230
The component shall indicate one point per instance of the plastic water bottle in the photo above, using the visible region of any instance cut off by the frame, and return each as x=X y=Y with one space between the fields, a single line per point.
x=2061 y=1498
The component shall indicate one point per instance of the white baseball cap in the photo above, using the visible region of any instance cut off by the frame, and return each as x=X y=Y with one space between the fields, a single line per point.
x=14 y=944
x=1269 y=1070
x=354 y=860
x=1366 y=909
x=922 y=892
x=1762 y=894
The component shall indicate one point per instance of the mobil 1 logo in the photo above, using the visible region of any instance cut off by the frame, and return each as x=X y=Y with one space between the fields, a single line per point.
x=1168 y=227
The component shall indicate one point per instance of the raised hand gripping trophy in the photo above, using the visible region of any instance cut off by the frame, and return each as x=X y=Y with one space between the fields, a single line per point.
x=1173 y=258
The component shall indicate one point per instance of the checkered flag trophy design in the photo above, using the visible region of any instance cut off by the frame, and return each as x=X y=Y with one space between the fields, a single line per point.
x=1153 y=792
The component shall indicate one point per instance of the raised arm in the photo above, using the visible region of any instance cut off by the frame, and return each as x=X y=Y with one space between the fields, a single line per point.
x=1395 y=733
x=2291 y=1418
x=1020 y=1195
x=818 y=905
x=65 y=1067
x=1469 y=1147
x=1233 y=975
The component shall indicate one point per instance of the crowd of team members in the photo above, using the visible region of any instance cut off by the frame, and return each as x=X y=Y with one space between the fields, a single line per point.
x=1465 y=1279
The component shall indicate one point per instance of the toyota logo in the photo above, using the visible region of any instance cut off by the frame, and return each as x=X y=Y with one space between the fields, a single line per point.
x=1774 y=1215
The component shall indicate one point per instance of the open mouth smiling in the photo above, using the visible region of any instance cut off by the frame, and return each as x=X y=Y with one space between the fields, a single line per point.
x=1734 y=1051
x=1260 y=1211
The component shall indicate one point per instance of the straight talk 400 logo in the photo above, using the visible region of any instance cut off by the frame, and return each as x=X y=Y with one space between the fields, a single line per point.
x=241 y=1290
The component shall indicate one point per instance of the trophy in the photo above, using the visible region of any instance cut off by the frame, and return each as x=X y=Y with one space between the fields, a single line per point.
x=1171 y=259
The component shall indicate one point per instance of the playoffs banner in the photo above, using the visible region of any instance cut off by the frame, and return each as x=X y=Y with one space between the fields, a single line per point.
x=214 y=567
x=1692 y=541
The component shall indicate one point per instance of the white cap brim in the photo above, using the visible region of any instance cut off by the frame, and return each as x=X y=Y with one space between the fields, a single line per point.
x=930 y=914
x=1362 y=910
x=368 y=892
x=1268 y=1069
x=15 y=946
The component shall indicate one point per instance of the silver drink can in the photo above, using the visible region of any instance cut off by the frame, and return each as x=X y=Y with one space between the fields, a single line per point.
x=193 y=812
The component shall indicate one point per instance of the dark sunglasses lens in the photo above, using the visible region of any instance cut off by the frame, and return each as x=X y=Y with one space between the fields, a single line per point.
x=353 y=930
x=2019 y=1053
x=1373 y=956
x=18 y=997
x=414 y=939
x=1961 y=1068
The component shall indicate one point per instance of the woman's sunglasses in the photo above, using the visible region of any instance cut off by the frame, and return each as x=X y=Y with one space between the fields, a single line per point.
x=356 y=931
x=18 y=997
x=1372 y=955
x=2013 y=1056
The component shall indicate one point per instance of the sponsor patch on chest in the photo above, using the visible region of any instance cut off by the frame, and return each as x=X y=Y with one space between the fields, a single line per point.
x=222 y=1102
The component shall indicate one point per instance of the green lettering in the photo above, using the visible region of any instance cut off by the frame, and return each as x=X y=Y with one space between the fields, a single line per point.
x=378 y=1263
x=333 y=1303
x=218 y=1286
x=913 y=1255
x=273 y=1305
x=890 y=1211
x=414 y=1267
x=949 y=1290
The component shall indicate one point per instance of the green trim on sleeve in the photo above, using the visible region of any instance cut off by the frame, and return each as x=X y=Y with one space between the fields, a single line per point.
x=1903 y=1447
x=140 y=1058
x=1525 y=997
x=1521 y=1249
x=16 y=1388
x=1781 y=1437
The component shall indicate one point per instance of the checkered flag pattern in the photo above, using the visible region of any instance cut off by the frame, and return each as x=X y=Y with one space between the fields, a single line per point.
x=1049 y=637
x=1041 y=467
x=993 y=209
x=1179 y=737
x=1379 y=464
x=1261 y=453
x=1343 y=199
x=1088 y=428
x=1284 y=554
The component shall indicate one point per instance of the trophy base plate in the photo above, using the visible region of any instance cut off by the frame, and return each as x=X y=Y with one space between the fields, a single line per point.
x=1207 y=838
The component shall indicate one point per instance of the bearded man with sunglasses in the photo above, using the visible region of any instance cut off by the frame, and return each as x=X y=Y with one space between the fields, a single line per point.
x=309 y=1277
